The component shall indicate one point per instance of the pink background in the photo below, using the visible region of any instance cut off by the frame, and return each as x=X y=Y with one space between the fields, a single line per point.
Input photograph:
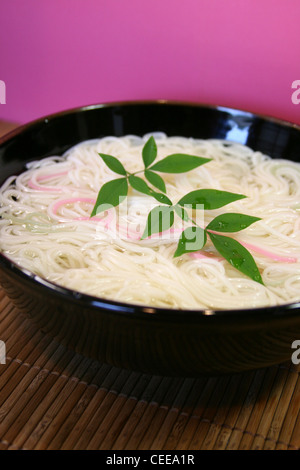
x=58 y=54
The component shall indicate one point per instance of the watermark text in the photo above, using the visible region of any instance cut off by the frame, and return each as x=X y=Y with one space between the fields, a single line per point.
x=296 y=354
x=2 y=352
x=2 y=92
x=296 y=94
x=128 y=221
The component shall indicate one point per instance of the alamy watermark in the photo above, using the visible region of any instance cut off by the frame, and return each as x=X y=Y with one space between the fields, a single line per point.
x=296 y=354
x=296 y=94
x=2 y=352
x=2 y=92
x=128 y=220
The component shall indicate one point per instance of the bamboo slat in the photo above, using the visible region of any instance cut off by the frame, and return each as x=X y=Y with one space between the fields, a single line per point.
x=53 y=398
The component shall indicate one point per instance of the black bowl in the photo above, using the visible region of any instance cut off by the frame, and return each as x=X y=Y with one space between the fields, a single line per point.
x=151 y=340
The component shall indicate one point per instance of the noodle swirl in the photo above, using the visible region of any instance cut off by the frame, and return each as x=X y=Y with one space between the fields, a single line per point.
x=45 y=226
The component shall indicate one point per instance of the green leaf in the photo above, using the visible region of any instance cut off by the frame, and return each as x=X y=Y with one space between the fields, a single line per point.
x=149 y=152
x=159 y=219
x=192 y=239
x=231 y=222
x=155 y=180
x=179 y=163
x=208 y=198
x=113 y=164
x=161 y=198
x=111 y=194
x=139 y=184
x=182 y=213
x=237 y=255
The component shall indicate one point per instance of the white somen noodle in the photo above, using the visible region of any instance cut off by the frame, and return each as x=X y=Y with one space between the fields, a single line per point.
x=45 y=226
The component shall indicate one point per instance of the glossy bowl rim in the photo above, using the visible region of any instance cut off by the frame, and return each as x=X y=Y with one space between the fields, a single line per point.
x=121 y=308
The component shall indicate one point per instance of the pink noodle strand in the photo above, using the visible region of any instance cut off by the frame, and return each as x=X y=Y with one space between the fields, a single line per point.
x=264 y=252
x=200 y=254
x=52 y=175
x=73 y=200
x=43 y=188
x=131 y=234
x=32 y=185
x=268 y=254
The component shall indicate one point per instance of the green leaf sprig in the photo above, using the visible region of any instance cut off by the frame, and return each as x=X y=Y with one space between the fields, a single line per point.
x=162 y=217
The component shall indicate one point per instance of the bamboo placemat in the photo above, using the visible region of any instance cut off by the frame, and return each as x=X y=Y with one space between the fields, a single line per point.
x=52 y=398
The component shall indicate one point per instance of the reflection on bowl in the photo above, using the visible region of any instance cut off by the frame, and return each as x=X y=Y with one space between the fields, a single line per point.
x=147 y=339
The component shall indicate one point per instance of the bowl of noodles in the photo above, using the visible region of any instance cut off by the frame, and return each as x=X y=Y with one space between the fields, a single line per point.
x=92 y=280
